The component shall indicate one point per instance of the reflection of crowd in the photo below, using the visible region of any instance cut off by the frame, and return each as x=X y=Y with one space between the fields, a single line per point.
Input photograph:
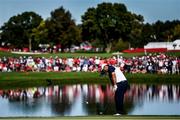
x=95 y=93
x=142 y=64
x=19 y=94
x=67 y=93
x=152 y=92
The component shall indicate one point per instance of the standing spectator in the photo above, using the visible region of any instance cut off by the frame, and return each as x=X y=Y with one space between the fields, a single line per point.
x=128 y=65
x=97 y=62
x=149 y=67
x=81 y=59
x=70 y=62
x=1 y=65
x=174 y=66
x=85 y=65
x=170 y=64
x=178 y=65
x=166 y=64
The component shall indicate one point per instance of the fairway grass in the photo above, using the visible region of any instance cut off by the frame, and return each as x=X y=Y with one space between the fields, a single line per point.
x=98 y=118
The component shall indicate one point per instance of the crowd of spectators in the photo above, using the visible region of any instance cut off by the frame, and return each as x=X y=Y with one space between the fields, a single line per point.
x=160 y=64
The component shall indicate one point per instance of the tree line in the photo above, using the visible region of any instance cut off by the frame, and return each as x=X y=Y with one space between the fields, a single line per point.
x=109 y=26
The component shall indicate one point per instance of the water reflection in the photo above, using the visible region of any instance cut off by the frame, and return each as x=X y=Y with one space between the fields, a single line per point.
x=74 y=100
x=151 y=92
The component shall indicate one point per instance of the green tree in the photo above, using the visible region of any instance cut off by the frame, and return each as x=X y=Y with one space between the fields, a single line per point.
x=40 y=34
x=62 y=28
x=135 y=36
x=164 y=31
x=120 y=45
x=147 y=35
x=18 y=29
x=176 y=31
x=108 y=23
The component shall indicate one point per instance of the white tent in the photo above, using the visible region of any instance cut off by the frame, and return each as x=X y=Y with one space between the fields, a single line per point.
x=176 y=45
x=169 y=45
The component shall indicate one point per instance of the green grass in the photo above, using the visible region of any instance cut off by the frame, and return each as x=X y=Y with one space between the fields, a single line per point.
x=66 y=55
x=10 y=80
x=30 y=79
x=98 y=118
x=174 y=54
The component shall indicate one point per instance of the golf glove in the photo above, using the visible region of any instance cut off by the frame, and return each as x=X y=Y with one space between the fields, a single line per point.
x=114 y=88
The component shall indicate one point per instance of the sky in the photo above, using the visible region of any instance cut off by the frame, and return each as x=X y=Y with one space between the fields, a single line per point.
x=151 y=10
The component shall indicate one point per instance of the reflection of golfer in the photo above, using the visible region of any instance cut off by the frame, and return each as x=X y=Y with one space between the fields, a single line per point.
x=120 y=86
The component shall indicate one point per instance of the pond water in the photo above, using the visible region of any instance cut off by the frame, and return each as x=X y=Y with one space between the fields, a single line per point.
x=82 y=100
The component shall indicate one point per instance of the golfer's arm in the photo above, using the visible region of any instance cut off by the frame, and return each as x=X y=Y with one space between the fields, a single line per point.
x=113 y=78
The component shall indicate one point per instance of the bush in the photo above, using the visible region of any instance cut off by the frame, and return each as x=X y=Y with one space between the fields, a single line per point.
x=120 y=45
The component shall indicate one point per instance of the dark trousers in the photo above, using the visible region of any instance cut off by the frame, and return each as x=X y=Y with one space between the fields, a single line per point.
x=119 y=96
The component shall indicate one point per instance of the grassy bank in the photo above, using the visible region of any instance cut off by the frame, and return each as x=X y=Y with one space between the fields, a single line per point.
x=28 y=79
x=100 y=118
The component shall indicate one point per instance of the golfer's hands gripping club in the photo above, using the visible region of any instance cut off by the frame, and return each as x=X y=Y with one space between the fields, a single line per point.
x=114 y=88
